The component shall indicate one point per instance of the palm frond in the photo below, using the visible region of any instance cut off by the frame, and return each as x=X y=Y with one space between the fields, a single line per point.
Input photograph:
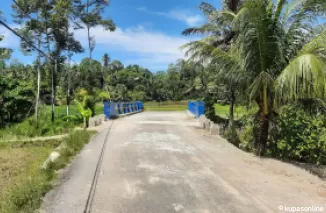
x=298 y=24
x=279 y=8
x=304 y=77
x=207 y=28
x=207 y=9
x=316 y=44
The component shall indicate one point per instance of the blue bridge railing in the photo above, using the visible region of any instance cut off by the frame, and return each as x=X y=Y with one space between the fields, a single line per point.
x=197 y=108
x=112 y=109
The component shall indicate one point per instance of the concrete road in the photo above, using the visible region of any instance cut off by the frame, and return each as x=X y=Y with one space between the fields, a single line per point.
x=161 y=162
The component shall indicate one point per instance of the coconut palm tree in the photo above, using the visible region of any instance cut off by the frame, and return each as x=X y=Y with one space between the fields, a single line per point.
x=280 y=59
x=217 y=27
x=220 y=34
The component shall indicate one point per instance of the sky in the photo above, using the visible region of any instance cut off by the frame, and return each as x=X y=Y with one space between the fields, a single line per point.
x=148 y=32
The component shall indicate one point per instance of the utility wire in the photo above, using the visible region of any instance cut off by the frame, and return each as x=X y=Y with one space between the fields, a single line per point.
x=24 y=39
x=25 y=14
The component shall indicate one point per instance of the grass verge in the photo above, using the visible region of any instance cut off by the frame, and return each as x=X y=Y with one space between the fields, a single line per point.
x=224 y=110
x=22 y=182
x=63 y=124
x=166 y=106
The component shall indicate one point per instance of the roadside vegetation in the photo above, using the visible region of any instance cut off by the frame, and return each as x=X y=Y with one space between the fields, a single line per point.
x=269 y=57
x=63 y=124
x=23 y=182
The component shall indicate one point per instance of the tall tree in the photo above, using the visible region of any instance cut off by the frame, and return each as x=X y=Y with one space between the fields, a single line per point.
x=28 y=12
x=92 y=17
x=106 y=63
x=60 y=14
x=220 y=34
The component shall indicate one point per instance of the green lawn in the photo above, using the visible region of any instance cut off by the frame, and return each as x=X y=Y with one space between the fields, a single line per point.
x=61 y=111
x=223 y=110
x=166 y=106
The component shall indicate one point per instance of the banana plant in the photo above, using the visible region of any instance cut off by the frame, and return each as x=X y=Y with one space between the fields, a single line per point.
x=85 y=111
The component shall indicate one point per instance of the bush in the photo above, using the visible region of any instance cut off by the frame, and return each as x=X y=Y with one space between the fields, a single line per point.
x=231 y=135
x=30 y=128
x=299 y=136
x=294 y=135
x=209 y=107
x=247 y=139
x=102 y=96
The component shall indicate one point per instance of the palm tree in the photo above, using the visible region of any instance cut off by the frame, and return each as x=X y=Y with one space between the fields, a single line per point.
x=279 y=58
x=217 y=26
x=106 y=60
x=219 y=29
x=106 y=63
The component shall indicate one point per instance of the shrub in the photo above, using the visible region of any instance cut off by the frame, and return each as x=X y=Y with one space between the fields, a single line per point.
x=231 y=135
x=30 y=128
x=299 y=136
x=247 y=138
x=102 y=96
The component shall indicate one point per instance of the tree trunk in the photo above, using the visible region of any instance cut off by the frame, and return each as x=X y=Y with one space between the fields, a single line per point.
x=68 y=86
x=232 y=103
x=38 y=82
x=265 y=110
x=54 y=70
x=263 y=135
x=85 y=123
x=90 y=49
x=89 y=38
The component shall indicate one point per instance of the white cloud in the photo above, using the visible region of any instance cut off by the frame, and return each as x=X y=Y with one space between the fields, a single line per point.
x=142 y=9
x=181 y=15
x=150 y=49
x=136 y=45
x=10 y=40
x=190 y=20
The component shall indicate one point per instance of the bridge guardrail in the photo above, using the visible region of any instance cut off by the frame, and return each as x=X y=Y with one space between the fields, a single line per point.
x=113 y=110
x=197 y=108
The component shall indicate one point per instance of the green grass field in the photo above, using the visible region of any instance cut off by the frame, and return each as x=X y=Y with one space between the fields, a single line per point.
x=61 y=111
x=166 y=106
x=22 y=182
x=221 y=110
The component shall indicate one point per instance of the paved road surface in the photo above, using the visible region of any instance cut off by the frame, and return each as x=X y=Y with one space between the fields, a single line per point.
x=160 y=162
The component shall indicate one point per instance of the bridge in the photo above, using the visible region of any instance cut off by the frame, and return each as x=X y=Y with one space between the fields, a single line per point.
x=164 y=162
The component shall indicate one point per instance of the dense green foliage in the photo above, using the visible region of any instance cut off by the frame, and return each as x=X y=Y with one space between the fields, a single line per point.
x=268 y=54
x=16 y=94
x=299 y=136
x=295 y=135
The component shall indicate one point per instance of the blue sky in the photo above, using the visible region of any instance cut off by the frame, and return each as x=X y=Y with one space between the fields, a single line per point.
x=148 y=32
